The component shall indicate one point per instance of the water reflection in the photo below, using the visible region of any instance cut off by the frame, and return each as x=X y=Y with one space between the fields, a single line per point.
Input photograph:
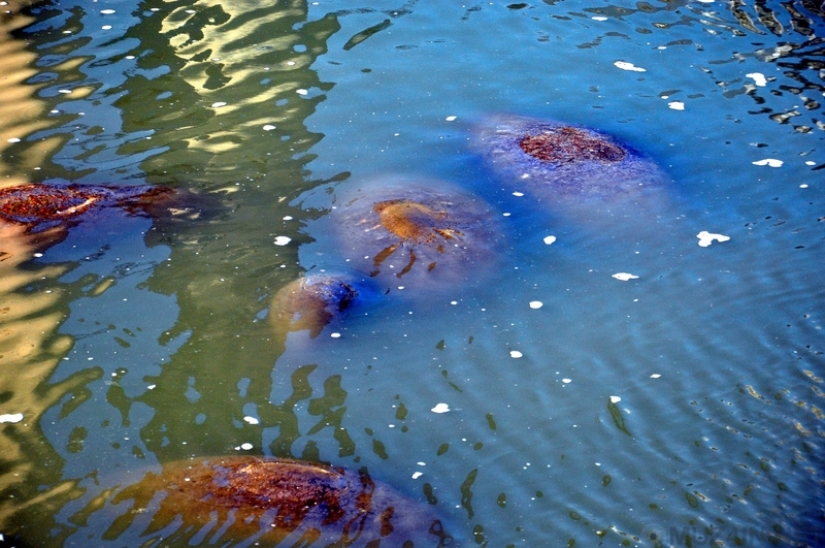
x=22 y=112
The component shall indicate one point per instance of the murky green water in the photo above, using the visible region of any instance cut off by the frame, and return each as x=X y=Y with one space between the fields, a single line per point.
x=676 y=408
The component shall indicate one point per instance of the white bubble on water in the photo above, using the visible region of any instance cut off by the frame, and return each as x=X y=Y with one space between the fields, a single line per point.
x=417 y=475
x=269 y=127
x=535 y=305
x=516 y=354
x=772 y=162
x=624 y=65
x=251 y=420
x=625 y=276
x=218 y=104
x=615 y=399
x=758 y=78
x=11 y=417
x=440 y=408
x=706 y=238
x=676 y=105
x=549 y=240
x=282 y=240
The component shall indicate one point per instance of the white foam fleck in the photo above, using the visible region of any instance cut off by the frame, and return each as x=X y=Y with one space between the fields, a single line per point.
x=519 y=194
x=269 y=127
x=655 y=376
x=335 y=335
x=773 y=162
x=803 y=185
x=810 y=163
x=625 y=276
x=758 y=78
x=14 y=140
x=535 y=305
x=64 y=91
x=567 y=381
x=599 y=18
x=282 y=240
x=624 y=65
x=417 y=475
x=246 y=446
x=549 y=239
x=151 y=387
x=615 y=399
x=106 y=27
x=301 y=91
x=451 y=118
x=676 y=105
x=515 y=354
x=706 y=238
x=218 y=104
x=11 y=417
x=440 y=408
x=251 y=420
x=288 y=218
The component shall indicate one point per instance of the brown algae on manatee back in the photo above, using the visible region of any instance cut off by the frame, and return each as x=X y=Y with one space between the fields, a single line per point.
x=567 y=145
x=555 y=161
x=239 y=499
x=412 y=221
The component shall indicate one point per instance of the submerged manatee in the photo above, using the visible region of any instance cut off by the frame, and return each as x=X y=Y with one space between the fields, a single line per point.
x=40 y=206
x=312 y=302
x=241 y=500
x=558 y=162
x=414 y=233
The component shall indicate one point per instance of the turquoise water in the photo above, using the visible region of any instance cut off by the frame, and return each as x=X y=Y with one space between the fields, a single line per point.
x=673 y=409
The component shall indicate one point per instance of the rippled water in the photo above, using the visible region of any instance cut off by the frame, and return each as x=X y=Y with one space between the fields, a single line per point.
x=676 y=408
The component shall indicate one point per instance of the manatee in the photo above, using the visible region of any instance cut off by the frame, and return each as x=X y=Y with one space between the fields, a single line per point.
x=40 y=206
x=414 y=233
x=559 y=162
x=312 y=302
x=264 y=501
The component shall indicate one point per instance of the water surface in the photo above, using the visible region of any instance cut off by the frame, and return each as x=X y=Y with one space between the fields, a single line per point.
x=678 y=407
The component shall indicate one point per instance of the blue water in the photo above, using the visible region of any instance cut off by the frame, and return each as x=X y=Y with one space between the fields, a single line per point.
x=673 y=409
